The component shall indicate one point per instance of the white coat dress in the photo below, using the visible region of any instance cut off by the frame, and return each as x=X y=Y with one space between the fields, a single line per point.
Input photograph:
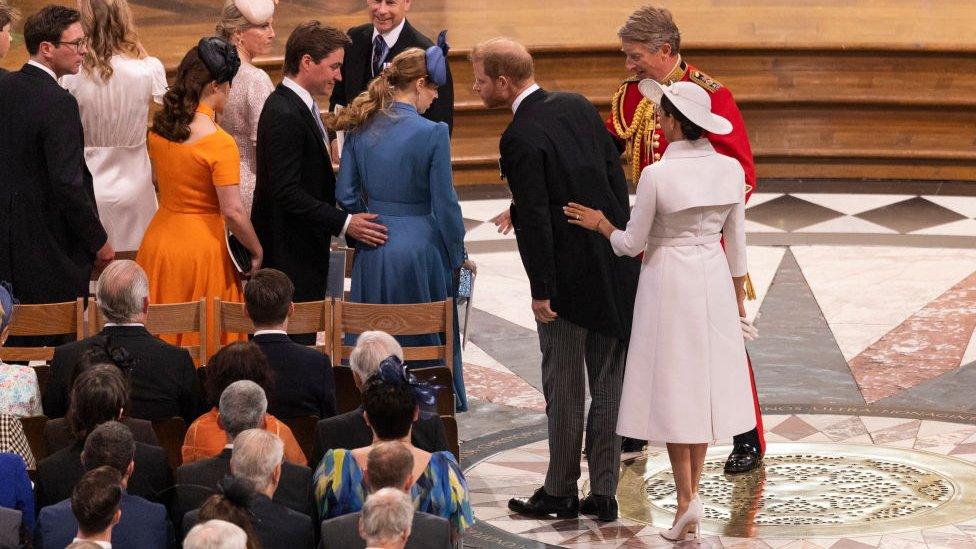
x=687 y=379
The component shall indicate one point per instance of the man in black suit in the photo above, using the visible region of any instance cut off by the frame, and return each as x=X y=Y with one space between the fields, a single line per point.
x=303 y=376
x=7 y=17
x=50 y=234
x=375 y=44
x=257 y=459
x=294 y=213
x=349 y=430
x=163 y=379
x=557 y=150
x=388 y=465
x=242 y=407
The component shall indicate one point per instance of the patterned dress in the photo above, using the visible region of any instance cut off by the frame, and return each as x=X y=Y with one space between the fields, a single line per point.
x=250 y=88
x=20 y=394
x=441 y=490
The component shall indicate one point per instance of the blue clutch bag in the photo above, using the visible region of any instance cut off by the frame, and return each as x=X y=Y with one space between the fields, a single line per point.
x=465 y=283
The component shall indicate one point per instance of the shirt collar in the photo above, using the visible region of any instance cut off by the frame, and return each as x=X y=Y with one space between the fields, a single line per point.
x=677 y=74
x=263 y=332
x=125 y=324
x=525 y=93
x=104 y=544
x=300 y=91
x=43 y=68
x=688 y=149
x=391 y=37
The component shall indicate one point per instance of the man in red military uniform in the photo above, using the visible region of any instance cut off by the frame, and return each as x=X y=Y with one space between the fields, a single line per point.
x=651 y=41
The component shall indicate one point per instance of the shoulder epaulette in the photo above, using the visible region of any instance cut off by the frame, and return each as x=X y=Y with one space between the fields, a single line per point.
x=631 y=78
x=705 y=81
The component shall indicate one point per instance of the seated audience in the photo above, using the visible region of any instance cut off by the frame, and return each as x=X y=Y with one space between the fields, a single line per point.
x=257 y=459
x=235 y=362
x=96 y=504
x=349 y=430
x=20 y=394
x=13 y=440
x=391 y=401
x=232 y=504
x=386 y=519
x=60 y=433
x=216 y=534
x=242 y=408
x=303 y=376
x=99 y=396
x=388 y=465
x=143 y=524
x=15 y=489
x=162 y=376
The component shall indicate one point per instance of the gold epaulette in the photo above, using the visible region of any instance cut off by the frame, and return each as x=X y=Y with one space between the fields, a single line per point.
x=705 y=81
x=631 y=78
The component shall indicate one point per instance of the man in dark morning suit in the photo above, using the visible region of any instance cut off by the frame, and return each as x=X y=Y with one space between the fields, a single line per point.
x=554 y=151
x=294 y=213
x=257 y=460
x=349 y=430
x=375 y=44
x=50 y=234
x=163 y=379
x=242 y=407
x=388 y=465
x=7 y=16
x=303 y=385
x=142 y=524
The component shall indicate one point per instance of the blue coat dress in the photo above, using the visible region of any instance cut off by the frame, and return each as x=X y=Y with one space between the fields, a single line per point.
x=398 y=165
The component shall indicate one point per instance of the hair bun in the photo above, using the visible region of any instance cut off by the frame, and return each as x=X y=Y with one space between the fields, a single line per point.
x=220 y=57
x=236 y=490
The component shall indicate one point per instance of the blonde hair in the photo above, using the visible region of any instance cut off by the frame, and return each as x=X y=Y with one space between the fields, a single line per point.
x=110 y=29
x=504 y=57
x=231 y=21
x=653 y=27
x=401 y=73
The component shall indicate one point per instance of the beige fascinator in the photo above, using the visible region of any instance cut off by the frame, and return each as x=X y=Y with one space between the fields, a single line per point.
x=257 y=12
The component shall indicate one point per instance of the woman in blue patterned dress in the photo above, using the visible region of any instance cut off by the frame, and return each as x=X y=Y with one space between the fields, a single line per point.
x=391 y=405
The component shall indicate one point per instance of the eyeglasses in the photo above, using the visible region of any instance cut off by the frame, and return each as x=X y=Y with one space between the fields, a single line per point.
x=76 y=44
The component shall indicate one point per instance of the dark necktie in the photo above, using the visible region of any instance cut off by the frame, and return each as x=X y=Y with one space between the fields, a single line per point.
x=379 y=54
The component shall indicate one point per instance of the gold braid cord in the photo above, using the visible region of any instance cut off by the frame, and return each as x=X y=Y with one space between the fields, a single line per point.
x=750 y=289
x=637 y=133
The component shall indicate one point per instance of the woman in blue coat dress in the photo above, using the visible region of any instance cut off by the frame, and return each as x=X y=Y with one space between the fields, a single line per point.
x=397 y=164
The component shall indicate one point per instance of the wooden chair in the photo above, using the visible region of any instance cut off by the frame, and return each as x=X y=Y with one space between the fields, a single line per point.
x=413 y=319
x=347 y=394
x=171 y=432
x=34 y=430
x=168 y=318
x=303 y=428
x=442 y=376
x=310 y=316
x=451 y=433
x=44 y=320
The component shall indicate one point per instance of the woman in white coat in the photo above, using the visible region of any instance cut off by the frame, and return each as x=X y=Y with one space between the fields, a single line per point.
x=686 y=382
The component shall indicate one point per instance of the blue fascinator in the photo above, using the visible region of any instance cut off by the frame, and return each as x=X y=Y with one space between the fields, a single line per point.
x=7 y=303
x=393 y=370
x=437 y=60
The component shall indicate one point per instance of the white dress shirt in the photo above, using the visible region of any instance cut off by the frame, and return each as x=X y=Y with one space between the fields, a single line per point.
x=525 y=93
x=103 y=544
x=43 y=68
x=390 y=37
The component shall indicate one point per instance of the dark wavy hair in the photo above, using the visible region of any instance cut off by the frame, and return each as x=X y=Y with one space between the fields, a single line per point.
x=689 y=129
x=233 y=505
x=390 y=406
x=172 y=122
x=237 y=361
x=98 y=395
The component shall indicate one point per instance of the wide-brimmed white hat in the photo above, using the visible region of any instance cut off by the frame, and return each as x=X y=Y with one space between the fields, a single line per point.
x=257 y=12
x=691 y=100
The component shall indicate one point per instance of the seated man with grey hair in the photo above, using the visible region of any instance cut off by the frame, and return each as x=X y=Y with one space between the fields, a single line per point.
x=349 y=430
x=257 y=458
x=386 y=518
x=216 y=534
x=163 y=377
x=242 y=406
x=388 y=465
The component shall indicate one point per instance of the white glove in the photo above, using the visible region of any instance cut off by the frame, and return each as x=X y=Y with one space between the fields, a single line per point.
x=749 y=332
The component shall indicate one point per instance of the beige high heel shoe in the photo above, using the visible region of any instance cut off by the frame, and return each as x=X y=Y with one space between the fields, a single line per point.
x=690 y=518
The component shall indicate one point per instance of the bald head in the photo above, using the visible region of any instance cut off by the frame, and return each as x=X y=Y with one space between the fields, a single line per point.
x=504 y=57
x=389 y=465
x=123 y=292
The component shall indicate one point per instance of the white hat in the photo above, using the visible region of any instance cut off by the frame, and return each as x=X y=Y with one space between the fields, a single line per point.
x=691 y=100
x=257 y=12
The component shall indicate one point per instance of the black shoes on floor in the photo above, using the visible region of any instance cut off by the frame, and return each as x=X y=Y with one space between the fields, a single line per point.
x=744 y=458
x=542 y=505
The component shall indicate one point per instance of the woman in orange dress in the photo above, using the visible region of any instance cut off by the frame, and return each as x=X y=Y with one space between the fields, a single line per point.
x=196 y=166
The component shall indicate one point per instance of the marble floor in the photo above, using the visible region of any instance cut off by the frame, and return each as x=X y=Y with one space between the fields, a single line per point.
x=866 y=311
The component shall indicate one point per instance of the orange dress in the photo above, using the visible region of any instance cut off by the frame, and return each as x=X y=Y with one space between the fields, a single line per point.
x=183 y=251
x=205 y=439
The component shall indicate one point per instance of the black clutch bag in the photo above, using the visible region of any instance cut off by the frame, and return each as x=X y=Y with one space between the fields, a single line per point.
x=239 y=256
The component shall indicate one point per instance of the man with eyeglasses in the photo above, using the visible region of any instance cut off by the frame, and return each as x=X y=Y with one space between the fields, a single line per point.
x=50 y=235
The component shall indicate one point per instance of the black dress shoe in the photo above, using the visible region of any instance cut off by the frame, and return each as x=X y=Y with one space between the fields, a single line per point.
x=603 y=507
x=632 y=445
x=542 y=505
x=744 y=458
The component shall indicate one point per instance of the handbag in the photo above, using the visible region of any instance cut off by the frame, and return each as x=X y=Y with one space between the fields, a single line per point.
x=239 y=255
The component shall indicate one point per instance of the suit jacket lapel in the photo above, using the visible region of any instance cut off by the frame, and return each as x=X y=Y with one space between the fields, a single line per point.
x=404 y=41
x=298 y=104
x=358 y=59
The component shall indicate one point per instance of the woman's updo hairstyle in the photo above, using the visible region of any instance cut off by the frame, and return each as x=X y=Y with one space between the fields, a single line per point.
x=389 y=406
x=400 y=74
x=689 y=129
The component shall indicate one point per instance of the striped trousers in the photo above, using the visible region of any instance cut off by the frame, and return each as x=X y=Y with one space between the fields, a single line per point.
x=571 y=357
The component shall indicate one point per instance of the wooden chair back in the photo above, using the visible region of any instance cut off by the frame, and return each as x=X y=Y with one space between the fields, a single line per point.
x=451 y=434
x=439 y=376
x=346 y=392
x=44 y=320
x=412 y=319
x=303 y=428
x=171 y=432
x=34 y=430
x=168 y=318
x=310 y=316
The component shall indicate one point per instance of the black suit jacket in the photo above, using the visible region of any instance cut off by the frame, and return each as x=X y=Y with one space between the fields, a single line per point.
x=557 y=150
x=357 y=70
x=349 y=430
x=276 y=526
x=58 y=473
x=164 y=380
x=303 y=378
x=294 y=211
x=49 y=227
x=58 y=435
x=427 y=532
x=197 y=481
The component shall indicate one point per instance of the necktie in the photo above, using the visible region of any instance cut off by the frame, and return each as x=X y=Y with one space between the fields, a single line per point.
x=379 y=54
